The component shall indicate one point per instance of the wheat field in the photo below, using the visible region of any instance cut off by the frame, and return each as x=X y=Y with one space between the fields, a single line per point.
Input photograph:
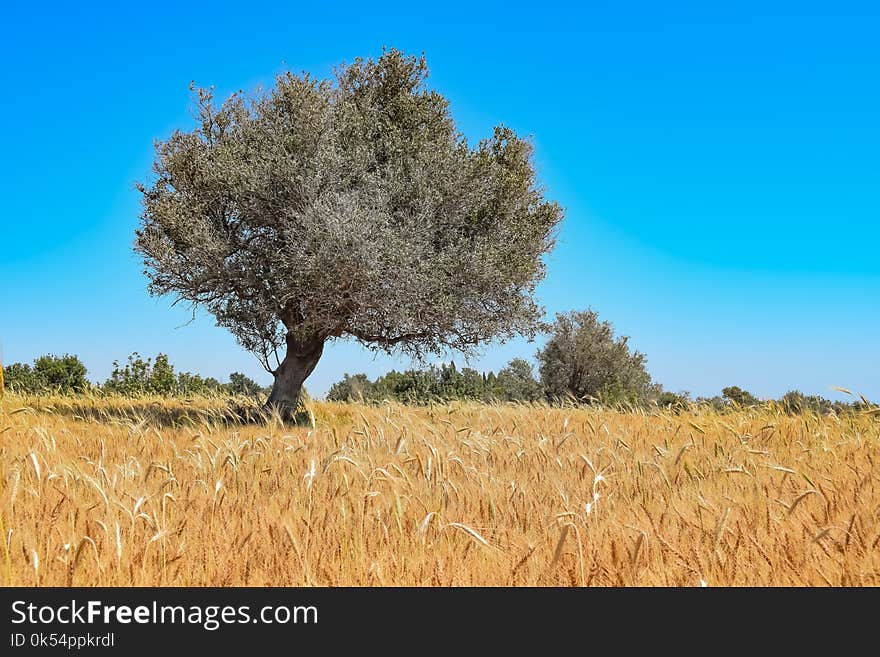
x=118 y=492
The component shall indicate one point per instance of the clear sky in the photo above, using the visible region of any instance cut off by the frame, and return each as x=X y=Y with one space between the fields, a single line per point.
x=719 y=164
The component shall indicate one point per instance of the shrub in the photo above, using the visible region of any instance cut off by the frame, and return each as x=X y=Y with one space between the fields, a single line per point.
x=20 y=378
x=132 y=379
x=49 y=374
x=795 y=402
x=740 y=397
x=674 y=401
x=716 y=403
x=162 y=380
x=194 y=384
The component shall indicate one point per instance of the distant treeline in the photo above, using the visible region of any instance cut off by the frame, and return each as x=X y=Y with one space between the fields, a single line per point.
x=444 y=383
x=582 y=362
x=599 y=371
x=793 y=402
x=517 y=383
x=66 y=375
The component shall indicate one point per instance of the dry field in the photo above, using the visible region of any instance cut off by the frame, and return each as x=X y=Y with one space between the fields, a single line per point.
x=115 y=492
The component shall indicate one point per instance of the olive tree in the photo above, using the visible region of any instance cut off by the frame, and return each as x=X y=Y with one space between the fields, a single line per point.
x=583 y=359
x=348 y=207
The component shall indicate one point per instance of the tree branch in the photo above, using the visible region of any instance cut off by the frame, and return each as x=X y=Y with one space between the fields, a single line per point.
x=380 y=339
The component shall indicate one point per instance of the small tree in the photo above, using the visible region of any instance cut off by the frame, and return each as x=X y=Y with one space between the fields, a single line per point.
x=131 y=379
x=347 y=207
x=352 y=388
x=517 y=382
x=740 y=397
x=162 y=379
x=674 y=401
x=469 y=384
x=716 y=403
x=583 y=359
x=60 y=374
x=17 y=376
x=20 y=378
x=192 y=384
x=795 y=402
x=65 y=374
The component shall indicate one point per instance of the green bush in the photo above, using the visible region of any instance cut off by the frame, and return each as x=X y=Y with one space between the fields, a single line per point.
x=132 y=379
x=141 y=376
x=20 y=377
x=795 y=402
x=738 y=396
x=193 y=385
x=674 y=401
x=49 y=374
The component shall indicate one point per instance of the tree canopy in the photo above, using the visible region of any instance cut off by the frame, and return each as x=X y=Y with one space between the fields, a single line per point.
x=349 y=206
x=740 y=397
x=445 y=382
x=583 y=359
x=61 y=374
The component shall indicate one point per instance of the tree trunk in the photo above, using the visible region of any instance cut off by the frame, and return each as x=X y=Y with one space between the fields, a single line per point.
x=298 y=364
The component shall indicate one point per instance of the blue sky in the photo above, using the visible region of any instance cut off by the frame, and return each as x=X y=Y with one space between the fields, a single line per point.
x=718 y=163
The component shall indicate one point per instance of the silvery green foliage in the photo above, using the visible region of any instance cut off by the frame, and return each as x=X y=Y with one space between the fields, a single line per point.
x=583 y=359
x=348 y=207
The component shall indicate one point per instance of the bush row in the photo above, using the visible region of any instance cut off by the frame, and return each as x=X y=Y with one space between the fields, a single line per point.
x=66 y=375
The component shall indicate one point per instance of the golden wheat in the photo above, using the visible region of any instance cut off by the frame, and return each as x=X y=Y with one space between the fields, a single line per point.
x=154 y=492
